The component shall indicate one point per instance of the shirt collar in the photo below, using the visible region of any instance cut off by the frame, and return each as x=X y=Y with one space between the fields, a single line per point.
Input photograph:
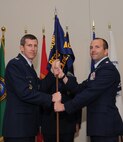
x=99 y=61
x=28 y=61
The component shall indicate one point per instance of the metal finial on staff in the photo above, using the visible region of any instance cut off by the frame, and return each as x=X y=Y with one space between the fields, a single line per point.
x=3 y=29
x=43 y=30
x=109 y=26
x=55 y=12
x=25 y=30
x=66 y=28
x=93 y=26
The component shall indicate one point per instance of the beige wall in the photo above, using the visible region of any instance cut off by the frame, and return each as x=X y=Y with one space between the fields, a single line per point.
x=17 y=15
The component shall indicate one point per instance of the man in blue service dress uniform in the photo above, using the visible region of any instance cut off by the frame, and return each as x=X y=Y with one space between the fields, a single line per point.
x=21 y=119
x=98 y=93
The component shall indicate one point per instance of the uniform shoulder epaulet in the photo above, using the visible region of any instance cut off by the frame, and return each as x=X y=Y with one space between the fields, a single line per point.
x=17 y=58
x=107 y=62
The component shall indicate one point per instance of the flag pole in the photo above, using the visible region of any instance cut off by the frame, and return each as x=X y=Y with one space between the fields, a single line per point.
x=109 y=26
x=25 y=30
x=66 y=28
x=93 y=29
x=93 y=37
x=93 y=26
x=3 y=29
x=57 y=113
x=43 y=31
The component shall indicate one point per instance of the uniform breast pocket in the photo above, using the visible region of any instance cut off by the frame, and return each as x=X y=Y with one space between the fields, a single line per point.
x=31 y=82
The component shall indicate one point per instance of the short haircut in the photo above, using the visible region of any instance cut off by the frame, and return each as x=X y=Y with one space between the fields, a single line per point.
x=27 y=36
x=105 y=43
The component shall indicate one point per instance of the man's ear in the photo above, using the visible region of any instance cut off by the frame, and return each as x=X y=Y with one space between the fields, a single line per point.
x=106 y=52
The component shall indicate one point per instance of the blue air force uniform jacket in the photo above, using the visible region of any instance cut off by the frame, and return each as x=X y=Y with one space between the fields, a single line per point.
x=21 y=117
x=98 y=93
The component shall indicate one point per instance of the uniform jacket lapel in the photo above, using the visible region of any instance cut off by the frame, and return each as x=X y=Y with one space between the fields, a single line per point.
x=32 y=70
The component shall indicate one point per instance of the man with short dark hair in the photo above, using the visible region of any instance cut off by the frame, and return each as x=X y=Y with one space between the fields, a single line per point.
x=24 y=95
x=98 y=93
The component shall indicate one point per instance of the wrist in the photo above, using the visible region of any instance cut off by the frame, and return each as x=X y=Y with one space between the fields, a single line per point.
x=63 y=107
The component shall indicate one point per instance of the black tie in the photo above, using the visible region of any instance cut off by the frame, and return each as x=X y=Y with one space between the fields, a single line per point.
x=32 y=66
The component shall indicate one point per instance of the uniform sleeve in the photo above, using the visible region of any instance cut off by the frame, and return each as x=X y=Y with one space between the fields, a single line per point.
x=105 y=78
x=73 y=85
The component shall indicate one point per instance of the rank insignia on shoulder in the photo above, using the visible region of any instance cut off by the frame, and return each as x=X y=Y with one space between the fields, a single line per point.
x=92 y=76
x=16 y=58
x=107 y=62
x=30 y=86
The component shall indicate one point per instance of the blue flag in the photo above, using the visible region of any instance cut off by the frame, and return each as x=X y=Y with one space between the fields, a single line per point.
x=60 y=49
x=67 y=46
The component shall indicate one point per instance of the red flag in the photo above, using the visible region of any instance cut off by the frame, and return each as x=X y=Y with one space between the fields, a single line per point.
x=43 y=73
x=43 y=66
x=39 y=137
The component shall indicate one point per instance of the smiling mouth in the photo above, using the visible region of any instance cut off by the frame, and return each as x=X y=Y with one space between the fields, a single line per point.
x=93 y=55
